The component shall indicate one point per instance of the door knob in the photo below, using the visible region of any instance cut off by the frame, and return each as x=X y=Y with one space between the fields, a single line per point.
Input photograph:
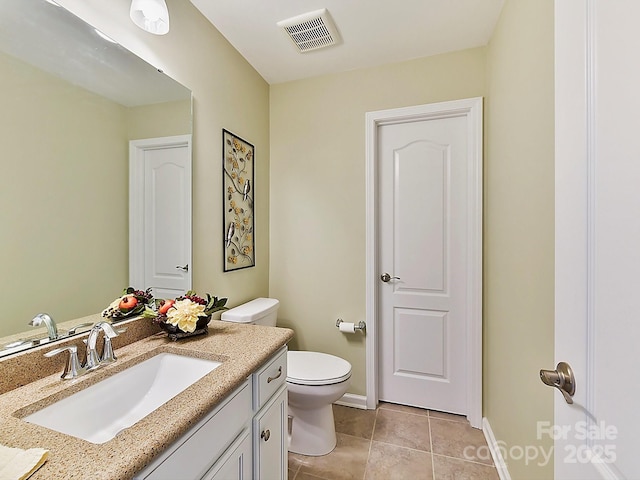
x=561 y=378
x=385 y=277
x=265 y=435
x=184 y=268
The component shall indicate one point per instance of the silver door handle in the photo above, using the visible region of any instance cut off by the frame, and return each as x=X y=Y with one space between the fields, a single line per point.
x=561 y=378
x=185 y=268
x=385 y=277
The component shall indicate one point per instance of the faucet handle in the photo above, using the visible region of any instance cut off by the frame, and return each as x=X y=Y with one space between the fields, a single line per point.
x=108 y=355
x=72 y=330
x=72 y=369
x=91 y=357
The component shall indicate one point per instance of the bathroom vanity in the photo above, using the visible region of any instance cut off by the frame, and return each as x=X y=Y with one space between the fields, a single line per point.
x=244 y=437
x=230 y=424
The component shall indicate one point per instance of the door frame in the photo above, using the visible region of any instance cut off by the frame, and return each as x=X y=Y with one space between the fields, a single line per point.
x=137 y=149
x=470 y=108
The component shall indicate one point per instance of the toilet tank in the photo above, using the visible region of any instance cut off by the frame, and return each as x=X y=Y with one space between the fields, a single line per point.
x=261 y=311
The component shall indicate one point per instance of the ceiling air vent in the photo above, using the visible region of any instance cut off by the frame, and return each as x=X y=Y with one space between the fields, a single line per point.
x=311 y=31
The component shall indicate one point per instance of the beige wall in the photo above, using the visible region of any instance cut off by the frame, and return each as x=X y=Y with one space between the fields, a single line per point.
x=519 y=228
x=159 y=120
x=318 y=189
x=64 y=199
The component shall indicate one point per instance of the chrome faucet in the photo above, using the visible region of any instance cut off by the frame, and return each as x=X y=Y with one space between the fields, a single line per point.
x=41 y=318
x=72 y=368
x=93 y=359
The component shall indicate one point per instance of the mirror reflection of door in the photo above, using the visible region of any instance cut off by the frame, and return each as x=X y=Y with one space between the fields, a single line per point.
x=160 y=215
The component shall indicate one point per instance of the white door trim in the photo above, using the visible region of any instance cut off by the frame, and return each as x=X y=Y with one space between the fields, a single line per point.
x=472 y=109
x=136 y=200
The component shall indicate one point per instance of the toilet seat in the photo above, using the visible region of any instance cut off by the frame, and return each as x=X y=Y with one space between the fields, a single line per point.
x=315 y=368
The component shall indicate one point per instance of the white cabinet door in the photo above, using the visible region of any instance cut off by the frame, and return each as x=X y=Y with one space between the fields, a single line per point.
x=236 y=463
x=270 y=438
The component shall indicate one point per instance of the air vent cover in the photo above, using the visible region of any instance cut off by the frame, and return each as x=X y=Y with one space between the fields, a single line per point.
x=311 y=31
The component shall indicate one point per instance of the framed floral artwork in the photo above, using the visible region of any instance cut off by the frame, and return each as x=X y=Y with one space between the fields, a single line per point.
x=237 y=186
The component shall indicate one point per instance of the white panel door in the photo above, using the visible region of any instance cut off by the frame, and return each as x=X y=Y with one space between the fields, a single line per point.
x=423 y=175
x=160 y=226
x=597 y=319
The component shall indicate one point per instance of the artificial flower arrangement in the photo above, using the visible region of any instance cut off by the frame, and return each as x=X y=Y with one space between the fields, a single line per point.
x=185 y=315
x=132 y=302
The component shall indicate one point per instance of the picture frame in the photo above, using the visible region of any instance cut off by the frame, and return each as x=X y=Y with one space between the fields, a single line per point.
x=238 y=157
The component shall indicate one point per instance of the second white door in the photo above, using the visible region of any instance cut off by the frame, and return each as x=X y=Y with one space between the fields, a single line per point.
x=424 y=174
x=160 y=215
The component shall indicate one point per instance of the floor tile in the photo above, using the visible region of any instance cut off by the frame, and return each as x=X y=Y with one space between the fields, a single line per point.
x=448 y=416
x=395 y=442
x=402 y=429
x=295 y=460
x=307 y=476
x=390 y=462
x=354 y=421
x=460 y=440
x=404 y=408
x=455 y=469
x=347 y=461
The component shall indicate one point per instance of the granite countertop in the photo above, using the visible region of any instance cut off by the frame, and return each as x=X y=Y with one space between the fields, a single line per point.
x=240 y=348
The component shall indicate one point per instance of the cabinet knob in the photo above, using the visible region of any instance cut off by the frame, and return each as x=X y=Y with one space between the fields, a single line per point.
x=265 y=435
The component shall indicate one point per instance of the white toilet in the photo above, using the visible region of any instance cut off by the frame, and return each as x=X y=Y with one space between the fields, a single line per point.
x=314 y=381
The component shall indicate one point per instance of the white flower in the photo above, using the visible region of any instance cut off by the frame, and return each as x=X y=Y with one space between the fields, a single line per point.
x=184 y=314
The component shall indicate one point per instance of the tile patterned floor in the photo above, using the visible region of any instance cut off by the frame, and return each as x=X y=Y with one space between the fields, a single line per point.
x=398 y=442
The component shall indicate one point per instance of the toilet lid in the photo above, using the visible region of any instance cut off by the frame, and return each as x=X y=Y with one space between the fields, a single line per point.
x=315 y=368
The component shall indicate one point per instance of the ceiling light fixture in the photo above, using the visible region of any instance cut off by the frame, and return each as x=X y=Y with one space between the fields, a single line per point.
x=150 y=15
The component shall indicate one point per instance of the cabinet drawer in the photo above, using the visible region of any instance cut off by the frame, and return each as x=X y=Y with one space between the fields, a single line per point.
x=196 y=451
x=269 y=378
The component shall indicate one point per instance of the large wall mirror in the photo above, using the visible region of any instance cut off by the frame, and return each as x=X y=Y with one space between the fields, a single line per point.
x=71 y=100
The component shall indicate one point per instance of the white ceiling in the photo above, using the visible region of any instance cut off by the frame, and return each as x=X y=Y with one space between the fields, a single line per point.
x=374 y=32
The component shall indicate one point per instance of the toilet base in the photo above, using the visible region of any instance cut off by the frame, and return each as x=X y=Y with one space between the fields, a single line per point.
x=313 y=431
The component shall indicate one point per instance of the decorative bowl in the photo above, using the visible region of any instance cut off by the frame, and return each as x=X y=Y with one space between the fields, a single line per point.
x=176 y=333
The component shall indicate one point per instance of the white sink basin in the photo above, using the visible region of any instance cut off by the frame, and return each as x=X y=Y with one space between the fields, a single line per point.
x=99 y=412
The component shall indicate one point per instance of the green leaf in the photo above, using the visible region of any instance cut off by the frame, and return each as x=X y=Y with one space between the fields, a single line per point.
x=149 y=312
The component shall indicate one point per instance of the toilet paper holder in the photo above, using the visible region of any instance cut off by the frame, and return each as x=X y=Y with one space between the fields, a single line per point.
x=359 y=327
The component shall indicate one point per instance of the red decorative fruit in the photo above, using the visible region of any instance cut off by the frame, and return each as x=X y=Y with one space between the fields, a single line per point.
x=127 y=303
x=164 y=308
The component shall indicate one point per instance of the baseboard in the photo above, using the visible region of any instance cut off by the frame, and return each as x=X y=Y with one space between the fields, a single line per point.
x=496 y=452
x=354 y=401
